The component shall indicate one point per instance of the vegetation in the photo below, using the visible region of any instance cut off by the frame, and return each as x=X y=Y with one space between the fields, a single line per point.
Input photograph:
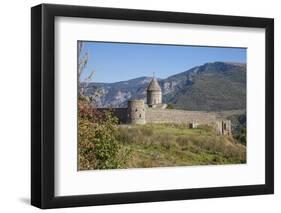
x=213 y=92
x=155 y=145
x=215 y=86
x=170 y=106
x=98 y=147
x=242 y=136
x=239 y=127
x=105 y=145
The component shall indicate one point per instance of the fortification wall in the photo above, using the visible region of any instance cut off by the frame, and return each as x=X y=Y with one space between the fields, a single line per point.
x=120 y=113
x=179 y=116
x=158 y=115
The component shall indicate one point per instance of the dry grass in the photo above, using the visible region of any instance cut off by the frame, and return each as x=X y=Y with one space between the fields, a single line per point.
x=155 y=145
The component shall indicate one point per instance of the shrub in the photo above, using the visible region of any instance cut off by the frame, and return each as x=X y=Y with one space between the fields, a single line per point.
x=242 y=136
x=170 y=106
x=98 y=147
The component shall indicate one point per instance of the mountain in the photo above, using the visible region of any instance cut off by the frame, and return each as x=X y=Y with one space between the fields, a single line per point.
x=117 y=94
x=210 y=87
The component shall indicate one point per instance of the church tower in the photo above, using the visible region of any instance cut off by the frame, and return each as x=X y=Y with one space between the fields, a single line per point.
x=154 y=93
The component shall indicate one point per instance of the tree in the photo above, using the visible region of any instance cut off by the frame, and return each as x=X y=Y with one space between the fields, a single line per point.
x=83 y=58
x=98 y=147
x=242 y=136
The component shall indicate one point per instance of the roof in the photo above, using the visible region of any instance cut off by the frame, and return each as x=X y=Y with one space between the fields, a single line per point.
x=153 y=85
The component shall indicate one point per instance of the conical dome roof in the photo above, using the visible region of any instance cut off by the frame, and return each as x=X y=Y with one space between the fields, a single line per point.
x=153 y=85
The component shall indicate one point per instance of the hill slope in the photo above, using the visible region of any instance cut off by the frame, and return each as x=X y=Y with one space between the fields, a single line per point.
x=157 y=145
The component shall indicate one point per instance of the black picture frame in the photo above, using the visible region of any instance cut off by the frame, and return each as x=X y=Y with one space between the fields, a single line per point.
x=43 y=102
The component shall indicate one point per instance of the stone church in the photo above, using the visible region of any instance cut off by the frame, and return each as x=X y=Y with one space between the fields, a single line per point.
x=154 y=111
x=154 y=94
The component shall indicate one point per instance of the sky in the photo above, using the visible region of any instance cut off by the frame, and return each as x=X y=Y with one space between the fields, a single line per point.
x=115 y=62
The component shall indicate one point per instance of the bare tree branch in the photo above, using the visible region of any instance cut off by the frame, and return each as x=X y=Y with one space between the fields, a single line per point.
x=82 y=63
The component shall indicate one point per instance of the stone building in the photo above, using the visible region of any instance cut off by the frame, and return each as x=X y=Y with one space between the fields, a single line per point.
x=154 y=111
x=136 y=112
x=224 y=127
x=154 y=93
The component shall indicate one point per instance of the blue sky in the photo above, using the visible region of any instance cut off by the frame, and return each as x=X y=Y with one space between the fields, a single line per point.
x=115 y=62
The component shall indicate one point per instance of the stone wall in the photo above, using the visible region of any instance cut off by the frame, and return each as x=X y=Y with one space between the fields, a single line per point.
x=223 y=127
x=157 y=115
x=179 y=116
x=120 y=113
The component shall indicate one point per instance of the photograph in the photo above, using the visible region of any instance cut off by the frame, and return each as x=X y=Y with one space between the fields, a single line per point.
x=160 y=105
x=139 y=105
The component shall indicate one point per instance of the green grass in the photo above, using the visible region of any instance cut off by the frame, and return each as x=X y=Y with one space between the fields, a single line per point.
x=155 y=145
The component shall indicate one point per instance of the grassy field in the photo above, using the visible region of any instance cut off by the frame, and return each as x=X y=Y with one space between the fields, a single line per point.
x=157 y=145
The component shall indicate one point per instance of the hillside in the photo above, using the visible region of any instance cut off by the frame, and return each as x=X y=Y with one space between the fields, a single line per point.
x=156 y=145
x=104 y=144
x=213 y=86
x=209 y=87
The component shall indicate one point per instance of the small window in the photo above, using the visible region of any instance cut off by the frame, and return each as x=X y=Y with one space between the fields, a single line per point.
x=136 y=110
x=140 y=115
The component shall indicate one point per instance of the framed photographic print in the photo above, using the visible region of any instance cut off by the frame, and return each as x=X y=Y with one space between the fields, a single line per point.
x=139 y=106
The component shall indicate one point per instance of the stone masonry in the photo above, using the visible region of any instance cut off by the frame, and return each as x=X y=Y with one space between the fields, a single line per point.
x=155 y=112
x=179 y=116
